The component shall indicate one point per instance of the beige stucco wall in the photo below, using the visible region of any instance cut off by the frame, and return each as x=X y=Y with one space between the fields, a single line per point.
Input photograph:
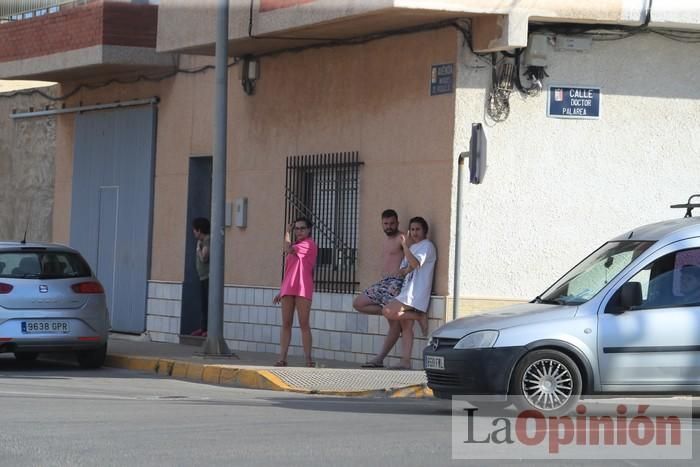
x=27 y=149
x=183 y=129
x=556 y=189
x=372 y=98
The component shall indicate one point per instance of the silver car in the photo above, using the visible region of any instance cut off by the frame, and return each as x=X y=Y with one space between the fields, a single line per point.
x=625 y=320
x=51 y=301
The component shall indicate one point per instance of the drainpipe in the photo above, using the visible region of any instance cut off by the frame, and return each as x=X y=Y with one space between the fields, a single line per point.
x=215 y=343
x=458 y=229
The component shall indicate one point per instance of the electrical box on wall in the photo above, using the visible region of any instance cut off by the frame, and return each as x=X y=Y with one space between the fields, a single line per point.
x=536 y=52
x=240 y=212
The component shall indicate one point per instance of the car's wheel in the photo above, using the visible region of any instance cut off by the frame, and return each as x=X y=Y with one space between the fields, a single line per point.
x=93 y=358
x=26 y=356
x=548 y=381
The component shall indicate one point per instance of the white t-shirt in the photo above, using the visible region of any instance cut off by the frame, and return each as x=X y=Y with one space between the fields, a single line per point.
x=419 y=283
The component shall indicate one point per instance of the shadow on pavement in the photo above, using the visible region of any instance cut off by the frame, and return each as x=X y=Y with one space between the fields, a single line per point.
x=59 y=366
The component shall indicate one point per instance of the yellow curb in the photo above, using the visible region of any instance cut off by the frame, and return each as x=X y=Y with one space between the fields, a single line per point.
x=145 y=364
x=211 y=374
x=165 y=367
x=179 y=370
x=260 y=379
x=228 y=376
x=415 y=391
x=244 y=378
x=194 y=372
x=252 y=379
x=275 y=380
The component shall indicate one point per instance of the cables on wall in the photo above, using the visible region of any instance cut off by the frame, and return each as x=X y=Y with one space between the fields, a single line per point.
x=503 y=77
x=102 y=84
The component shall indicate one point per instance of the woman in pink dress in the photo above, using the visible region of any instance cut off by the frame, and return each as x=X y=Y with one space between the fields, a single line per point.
x=297 y=287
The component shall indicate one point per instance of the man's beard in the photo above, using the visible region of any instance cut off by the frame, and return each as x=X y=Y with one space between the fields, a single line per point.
x=391 y=232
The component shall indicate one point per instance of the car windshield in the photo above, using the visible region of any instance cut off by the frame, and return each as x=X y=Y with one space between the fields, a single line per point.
x=42 y=264
x=585 y=280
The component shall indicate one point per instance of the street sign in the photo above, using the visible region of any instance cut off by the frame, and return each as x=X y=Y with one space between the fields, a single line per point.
x=442 y=79
x=573 y=102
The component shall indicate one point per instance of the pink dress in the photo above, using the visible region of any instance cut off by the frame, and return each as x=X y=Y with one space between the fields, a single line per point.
x=299 y=270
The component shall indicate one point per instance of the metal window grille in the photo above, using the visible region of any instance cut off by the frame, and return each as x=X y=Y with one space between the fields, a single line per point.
x=15 y=10
x=324 y=188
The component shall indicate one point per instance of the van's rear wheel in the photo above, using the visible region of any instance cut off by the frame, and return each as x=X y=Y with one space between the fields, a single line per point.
x=548 y=381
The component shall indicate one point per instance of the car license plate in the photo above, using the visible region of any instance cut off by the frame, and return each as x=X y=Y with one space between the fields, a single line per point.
x=45 y=326
x=434 y=363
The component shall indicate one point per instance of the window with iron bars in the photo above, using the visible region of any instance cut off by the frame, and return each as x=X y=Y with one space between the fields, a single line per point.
x=324 y=188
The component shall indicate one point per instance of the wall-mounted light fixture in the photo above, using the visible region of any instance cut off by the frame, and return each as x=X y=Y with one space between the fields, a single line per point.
x=477 y=154
x=250 y=72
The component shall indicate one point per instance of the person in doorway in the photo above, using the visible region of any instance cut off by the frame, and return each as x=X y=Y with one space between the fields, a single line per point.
x=202 y=229
x=379 y=294
x=297 y=287
x=411 y=304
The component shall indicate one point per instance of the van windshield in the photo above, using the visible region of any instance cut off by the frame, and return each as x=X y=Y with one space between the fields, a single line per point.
x=585 y=280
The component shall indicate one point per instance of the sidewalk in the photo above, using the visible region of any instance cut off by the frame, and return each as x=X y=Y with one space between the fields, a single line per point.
x=253 y=370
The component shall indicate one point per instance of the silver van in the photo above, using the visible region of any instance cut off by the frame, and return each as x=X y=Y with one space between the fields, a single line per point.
x=625 y=320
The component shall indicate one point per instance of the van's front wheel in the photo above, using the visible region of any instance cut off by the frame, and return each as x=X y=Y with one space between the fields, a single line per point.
x=548 y=381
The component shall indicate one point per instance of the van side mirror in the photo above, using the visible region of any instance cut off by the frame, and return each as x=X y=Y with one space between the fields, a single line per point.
x=631 y=295
x=628 y=296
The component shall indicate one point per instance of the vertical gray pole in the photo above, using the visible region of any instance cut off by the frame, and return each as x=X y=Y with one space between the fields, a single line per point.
x=458 y=242
x=215 y=343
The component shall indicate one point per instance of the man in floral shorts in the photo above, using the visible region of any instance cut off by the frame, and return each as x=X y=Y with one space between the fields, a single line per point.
x=384 y=291
x=377 y=295
x=373 y=299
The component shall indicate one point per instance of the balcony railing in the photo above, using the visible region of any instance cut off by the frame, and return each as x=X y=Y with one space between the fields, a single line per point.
x=15 y=10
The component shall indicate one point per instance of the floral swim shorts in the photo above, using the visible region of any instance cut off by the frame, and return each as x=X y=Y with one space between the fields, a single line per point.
x=385 y=290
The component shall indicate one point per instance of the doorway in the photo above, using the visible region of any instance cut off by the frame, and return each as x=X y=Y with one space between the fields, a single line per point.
x=198 y=205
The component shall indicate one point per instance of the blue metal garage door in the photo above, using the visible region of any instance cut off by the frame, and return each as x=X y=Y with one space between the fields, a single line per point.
x=111 y=208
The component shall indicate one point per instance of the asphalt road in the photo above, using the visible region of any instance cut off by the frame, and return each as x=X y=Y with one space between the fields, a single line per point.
x=57 y=414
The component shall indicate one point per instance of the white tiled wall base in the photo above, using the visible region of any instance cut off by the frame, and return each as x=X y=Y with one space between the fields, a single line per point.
x=252 y=324
x=163 y=311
